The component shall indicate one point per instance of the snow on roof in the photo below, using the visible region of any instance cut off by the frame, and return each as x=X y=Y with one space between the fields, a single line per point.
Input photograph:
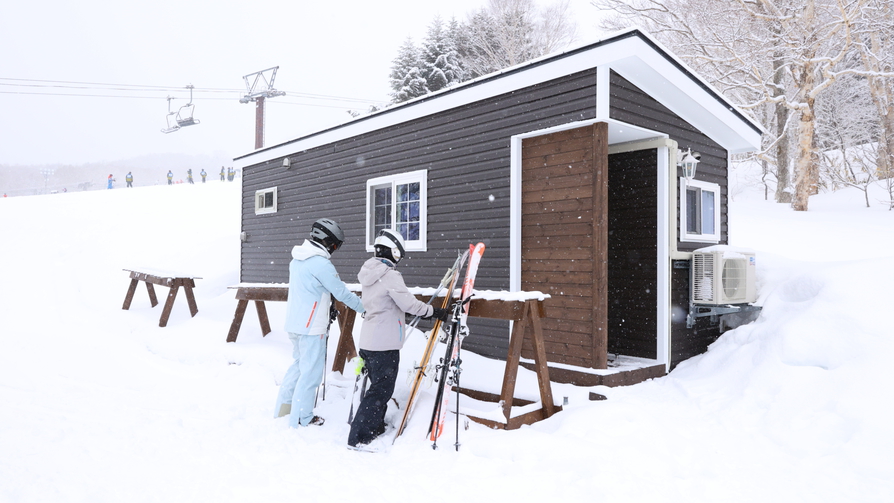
x=631 y=53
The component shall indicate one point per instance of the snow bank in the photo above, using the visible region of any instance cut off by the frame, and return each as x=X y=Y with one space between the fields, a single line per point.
x=102 y=405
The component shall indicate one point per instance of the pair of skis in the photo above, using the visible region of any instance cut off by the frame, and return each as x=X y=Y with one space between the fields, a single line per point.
x=450 y=366
x=456 y=330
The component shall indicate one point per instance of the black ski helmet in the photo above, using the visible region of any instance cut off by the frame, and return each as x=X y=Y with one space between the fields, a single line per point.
x=328 y=233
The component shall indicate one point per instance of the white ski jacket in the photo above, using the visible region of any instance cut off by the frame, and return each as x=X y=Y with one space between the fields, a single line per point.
x=386 y=299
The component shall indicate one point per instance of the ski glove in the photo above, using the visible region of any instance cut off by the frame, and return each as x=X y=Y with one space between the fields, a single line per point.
x=440 y=314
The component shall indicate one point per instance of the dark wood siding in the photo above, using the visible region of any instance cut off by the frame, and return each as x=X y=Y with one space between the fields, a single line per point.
x=687 y=342
x=630 y=104
x=633 y=253
x=466 y=151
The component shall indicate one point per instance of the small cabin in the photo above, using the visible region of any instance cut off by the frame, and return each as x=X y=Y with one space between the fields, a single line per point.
x=566 y=167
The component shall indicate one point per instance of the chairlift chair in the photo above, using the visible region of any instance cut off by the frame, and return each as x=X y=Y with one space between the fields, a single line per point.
x=183 y=116
x=171 y=119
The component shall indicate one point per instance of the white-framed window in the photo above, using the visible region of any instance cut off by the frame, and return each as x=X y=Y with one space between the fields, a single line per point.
x=398 y=202
x=699 y=211
x=265 y=201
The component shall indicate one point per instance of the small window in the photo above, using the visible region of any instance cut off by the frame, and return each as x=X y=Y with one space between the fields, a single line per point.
x=700 y=211
x=398 y=202
x=265 y=201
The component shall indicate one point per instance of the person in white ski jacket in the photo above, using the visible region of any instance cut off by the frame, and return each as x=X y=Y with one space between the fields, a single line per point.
x=383 y=334
x=313 y=281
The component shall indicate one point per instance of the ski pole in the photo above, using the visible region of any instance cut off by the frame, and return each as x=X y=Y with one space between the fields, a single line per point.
x=456 y=372
x=333 y=315
x=325 y=359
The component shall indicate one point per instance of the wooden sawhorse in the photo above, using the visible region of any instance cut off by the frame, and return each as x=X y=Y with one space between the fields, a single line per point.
x=527 y=313
x=523 y=314
x=280 y=293
x=171 y=281
x=258 y=294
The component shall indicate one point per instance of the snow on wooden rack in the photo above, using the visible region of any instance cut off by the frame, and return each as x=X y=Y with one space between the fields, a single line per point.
x=427 y=292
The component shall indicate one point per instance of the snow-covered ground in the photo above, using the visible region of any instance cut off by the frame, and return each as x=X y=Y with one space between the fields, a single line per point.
x=98 y=404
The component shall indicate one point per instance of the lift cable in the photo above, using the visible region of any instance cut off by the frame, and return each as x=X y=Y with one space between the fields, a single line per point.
x=152 y=88
x=282 y=102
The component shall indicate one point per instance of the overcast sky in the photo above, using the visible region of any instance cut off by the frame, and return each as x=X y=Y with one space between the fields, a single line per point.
x=130 y=56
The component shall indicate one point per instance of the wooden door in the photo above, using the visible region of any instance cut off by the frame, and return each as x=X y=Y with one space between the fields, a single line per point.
x=564 y=234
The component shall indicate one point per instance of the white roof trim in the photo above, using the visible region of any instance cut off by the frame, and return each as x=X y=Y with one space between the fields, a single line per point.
x=618 y=132
x=630 y=53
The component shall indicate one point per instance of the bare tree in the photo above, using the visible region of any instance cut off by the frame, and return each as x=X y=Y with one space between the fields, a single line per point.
x=736 y=53
x=784 y=53
x=509 y=32
x=846 y=126
x=851 y=167
x=875 y=43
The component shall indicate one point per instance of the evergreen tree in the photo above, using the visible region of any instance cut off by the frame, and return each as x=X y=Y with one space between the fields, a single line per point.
x=407 y=78
x=503 y=34
x=440 y=60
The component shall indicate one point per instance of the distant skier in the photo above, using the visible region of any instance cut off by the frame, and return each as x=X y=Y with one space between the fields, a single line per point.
x=129 y=179
x=111 y=181
x=231 y=173
x=203 y=174
x=386 y=300
x=221 y=173
x=189 y=176
x=170 y=177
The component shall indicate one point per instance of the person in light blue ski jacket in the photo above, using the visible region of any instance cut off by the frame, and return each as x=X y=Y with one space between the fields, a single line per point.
x=313 y=282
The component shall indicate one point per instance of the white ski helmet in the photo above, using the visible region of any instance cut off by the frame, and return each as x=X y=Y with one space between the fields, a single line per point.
x=327 y=233
x=393 y=241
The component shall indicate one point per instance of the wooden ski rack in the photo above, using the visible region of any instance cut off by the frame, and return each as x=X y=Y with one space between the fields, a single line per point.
x=260 y=294
x=164 y=279
x=523 y=314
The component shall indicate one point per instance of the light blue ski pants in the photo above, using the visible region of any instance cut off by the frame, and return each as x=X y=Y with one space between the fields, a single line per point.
x=299 y=386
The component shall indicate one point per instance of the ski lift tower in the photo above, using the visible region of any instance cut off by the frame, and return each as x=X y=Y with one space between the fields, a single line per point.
x=259 y=86
x=47 y=173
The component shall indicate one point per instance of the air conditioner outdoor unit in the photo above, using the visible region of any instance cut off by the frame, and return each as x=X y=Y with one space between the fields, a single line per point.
x=723 y=275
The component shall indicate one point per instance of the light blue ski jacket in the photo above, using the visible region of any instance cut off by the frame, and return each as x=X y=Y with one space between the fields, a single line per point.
x=312 y=278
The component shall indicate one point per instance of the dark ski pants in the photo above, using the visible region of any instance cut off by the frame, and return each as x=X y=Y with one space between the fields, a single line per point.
x=369 y=422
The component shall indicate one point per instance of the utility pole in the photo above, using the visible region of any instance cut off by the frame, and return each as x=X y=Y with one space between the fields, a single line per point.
x=259 y=87
x=47 y=173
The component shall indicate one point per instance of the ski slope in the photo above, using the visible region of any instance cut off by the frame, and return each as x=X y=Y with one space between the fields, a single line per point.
x=101 y=405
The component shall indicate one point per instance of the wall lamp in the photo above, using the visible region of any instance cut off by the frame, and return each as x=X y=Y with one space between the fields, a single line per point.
x=688 y=161
x=286 y=163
